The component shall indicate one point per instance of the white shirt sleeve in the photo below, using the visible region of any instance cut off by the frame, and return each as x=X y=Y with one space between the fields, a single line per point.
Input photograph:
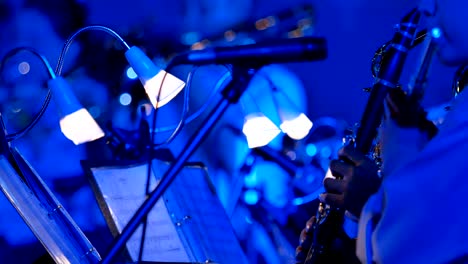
x=419 y=214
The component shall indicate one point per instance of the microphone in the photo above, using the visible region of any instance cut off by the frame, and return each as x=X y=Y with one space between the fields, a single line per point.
x=276 y=51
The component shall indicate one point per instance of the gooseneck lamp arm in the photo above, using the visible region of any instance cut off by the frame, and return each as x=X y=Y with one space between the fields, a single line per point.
x=69 y=41
x=150 y=75
x=77 y=124
x=50 y=71
x=64 y=95
x=67 y=98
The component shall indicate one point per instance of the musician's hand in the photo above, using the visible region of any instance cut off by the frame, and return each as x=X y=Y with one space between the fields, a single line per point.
x=305 y=241
x=358 y=180
x=407 y=112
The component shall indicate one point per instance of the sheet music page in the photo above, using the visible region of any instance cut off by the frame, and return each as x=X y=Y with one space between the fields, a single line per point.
x=123 y=190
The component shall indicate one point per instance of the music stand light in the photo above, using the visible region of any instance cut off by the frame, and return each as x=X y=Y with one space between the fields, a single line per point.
x=259 y=130
x=76 y=123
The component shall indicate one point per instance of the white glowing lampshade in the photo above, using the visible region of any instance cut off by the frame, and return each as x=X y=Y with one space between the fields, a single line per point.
x=76 y=122
x=160 y=86
x=259 y=130
x=294 y=122
x=296 y=127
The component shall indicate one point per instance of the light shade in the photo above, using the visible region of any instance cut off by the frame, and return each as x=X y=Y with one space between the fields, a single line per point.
x=259 y=130
x=160 y=86
x=296 y=126
x=76 y=123
x=294 y=123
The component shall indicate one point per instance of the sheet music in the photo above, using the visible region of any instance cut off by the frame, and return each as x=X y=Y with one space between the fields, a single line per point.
x=124 y=191
x=211 y=234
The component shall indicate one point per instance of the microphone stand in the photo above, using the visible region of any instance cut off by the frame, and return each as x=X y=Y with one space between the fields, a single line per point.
x=241 y=77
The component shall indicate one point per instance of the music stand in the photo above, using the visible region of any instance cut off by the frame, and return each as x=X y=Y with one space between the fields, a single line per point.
x=188 y=225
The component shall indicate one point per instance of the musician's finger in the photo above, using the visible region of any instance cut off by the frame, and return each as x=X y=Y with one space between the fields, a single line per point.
x=306 y=239
x=341 y=169
x=349 y=153
x=334 y=185
x=336 y=200
x=310 y=223
x=304 y=235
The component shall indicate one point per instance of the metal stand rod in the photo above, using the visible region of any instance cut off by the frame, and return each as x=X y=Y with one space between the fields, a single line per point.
x=231 y=94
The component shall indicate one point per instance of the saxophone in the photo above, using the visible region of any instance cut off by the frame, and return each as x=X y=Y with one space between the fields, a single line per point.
x=330 y=242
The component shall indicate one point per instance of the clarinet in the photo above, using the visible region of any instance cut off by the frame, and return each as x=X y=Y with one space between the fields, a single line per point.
x=329 y=238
